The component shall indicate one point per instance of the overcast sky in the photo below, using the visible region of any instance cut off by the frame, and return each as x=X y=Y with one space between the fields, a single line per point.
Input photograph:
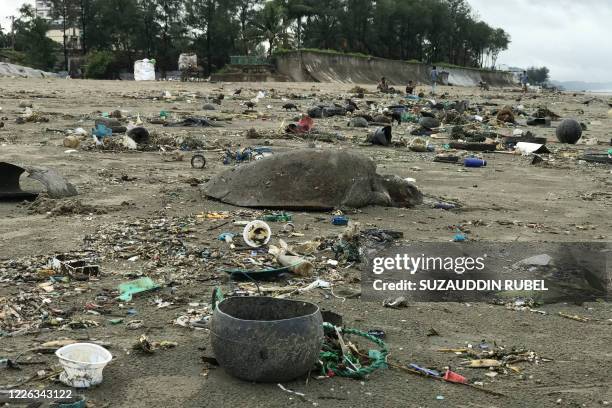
x=572 y=38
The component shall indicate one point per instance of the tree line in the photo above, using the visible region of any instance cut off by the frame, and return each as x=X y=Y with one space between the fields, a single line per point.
x=432 y=31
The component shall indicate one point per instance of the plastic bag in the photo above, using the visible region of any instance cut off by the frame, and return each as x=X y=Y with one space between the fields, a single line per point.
x=144 y=70
x=187 y=61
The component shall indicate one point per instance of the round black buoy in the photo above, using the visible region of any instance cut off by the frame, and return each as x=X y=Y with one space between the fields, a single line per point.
x=569 y=131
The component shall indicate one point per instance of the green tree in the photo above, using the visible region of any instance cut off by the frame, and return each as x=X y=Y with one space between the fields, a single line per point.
x=245 y=15
x=538 y=76
x=4 y=40
x=425 y=30
x=269 y=24
x=170 y=19
x=215 y=28
x=499 y=42
x=67 y=13
x=357 y=25
x=101 y=65
x=323 y=28
x=297 y=10
x=31 y=38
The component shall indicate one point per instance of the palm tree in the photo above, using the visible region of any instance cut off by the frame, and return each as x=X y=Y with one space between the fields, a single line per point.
x=297 y=10
x=269 y=24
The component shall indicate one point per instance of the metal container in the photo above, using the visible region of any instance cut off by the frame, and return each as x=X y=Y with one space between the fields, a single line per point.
x=266 y=339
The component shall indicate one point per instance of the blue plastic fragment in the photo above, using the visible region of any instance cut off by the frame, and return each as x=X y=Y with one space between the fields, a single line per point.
x=424 y=370
x=340 y=220
x=459 y=237
x=225 y=235
x=101 y=131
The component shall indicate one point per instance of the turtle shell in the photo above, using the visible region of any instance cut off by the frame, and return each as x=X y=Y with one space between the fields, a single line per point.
x=299 y=179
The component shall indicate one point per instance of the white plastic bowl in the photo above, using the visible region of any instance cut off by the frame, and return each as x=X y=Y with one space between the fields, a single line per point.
x=259 y=228
x=83 y=364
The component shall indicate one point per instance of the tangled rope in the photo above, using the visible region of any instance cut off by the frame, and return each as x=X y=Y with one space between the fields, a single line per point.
x=337 y=363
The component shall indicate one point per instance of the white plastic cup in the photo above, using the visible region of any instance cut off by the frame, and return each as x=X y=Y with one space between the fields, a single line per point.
x=261 y=229
x=83 y=364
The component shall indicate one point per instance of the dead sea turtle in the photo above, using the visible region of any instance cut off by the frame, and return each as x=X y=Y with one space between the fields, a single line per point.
x=312 y=180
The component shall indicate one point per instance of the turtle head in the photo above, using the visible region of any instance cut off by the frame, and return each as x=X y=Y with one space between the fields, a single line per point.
x=403 y=193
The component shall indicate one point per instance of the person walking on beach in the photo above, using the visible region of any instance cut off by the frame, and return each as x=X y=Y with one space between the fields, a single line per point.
x=434 y=79
x=524 y=79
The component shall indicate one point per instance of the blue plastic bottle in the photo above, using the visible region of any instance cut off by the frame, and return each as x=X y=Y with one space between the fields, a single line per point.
x=474 y=162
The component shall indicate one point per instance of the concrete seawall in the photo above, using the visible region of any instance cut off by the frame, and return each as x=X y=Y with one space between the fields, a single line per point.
x=310 y=66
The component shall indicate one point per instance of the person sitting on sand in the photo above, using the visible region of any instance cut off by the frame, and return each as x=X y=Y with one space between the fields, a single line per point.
x=410 y=88
x=383 y=86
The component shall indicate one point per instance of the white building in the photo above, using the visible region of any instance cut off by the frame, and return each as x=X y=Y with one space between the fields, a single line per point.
x=43 y=10
x=56 y=33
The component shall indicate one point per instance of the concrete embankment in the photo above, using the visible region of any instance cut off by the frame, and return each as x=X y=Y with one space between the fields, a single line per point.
x=312 y=66
x=18 y=71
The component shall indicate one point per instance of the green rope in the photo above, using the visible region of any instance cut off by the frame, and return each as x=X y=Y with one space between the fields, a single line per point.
x=217 y=297
x=332 y=360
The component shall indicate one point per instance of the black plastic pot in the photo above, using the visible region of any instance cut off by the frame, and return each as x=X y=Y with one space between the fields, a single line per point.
x=9 y=183
x=381 y=136
x=429 y=122
x=140 y=135
x=266 y=339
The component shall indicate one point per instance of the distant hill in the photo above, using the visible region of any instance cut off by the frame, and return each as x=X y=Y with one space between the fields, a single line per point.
x=584 y=86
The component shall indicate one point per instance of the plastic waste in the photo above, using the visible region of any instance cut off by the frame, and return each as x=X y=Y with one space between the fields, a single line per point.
x=198 y=161
x=424 y=370
x=529 y=148
x=377 y=333
x=459 y=237
x=296 y=264
x=101 y=131
x=418 y=145
x=474 y=162
x=409 y=117
x=71 y=141
x=381 y=136
x=74 y=402
x=80 y=131
x=256 y=233
x=129 y=143
x=226 y=236
x=128 y=289
x=278 y=217
x=453 y=377
x=83 y=364
x=340 y=220
x=445 y=206
x=144 y=70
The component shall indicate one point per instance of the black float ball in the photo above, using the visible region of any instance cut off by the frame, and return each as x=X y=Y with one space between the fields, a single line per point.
x=569 y=131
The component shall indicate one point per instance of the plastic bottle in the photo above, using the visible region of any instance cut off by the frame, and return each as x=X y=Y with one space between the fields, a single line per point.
x=474 y=162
